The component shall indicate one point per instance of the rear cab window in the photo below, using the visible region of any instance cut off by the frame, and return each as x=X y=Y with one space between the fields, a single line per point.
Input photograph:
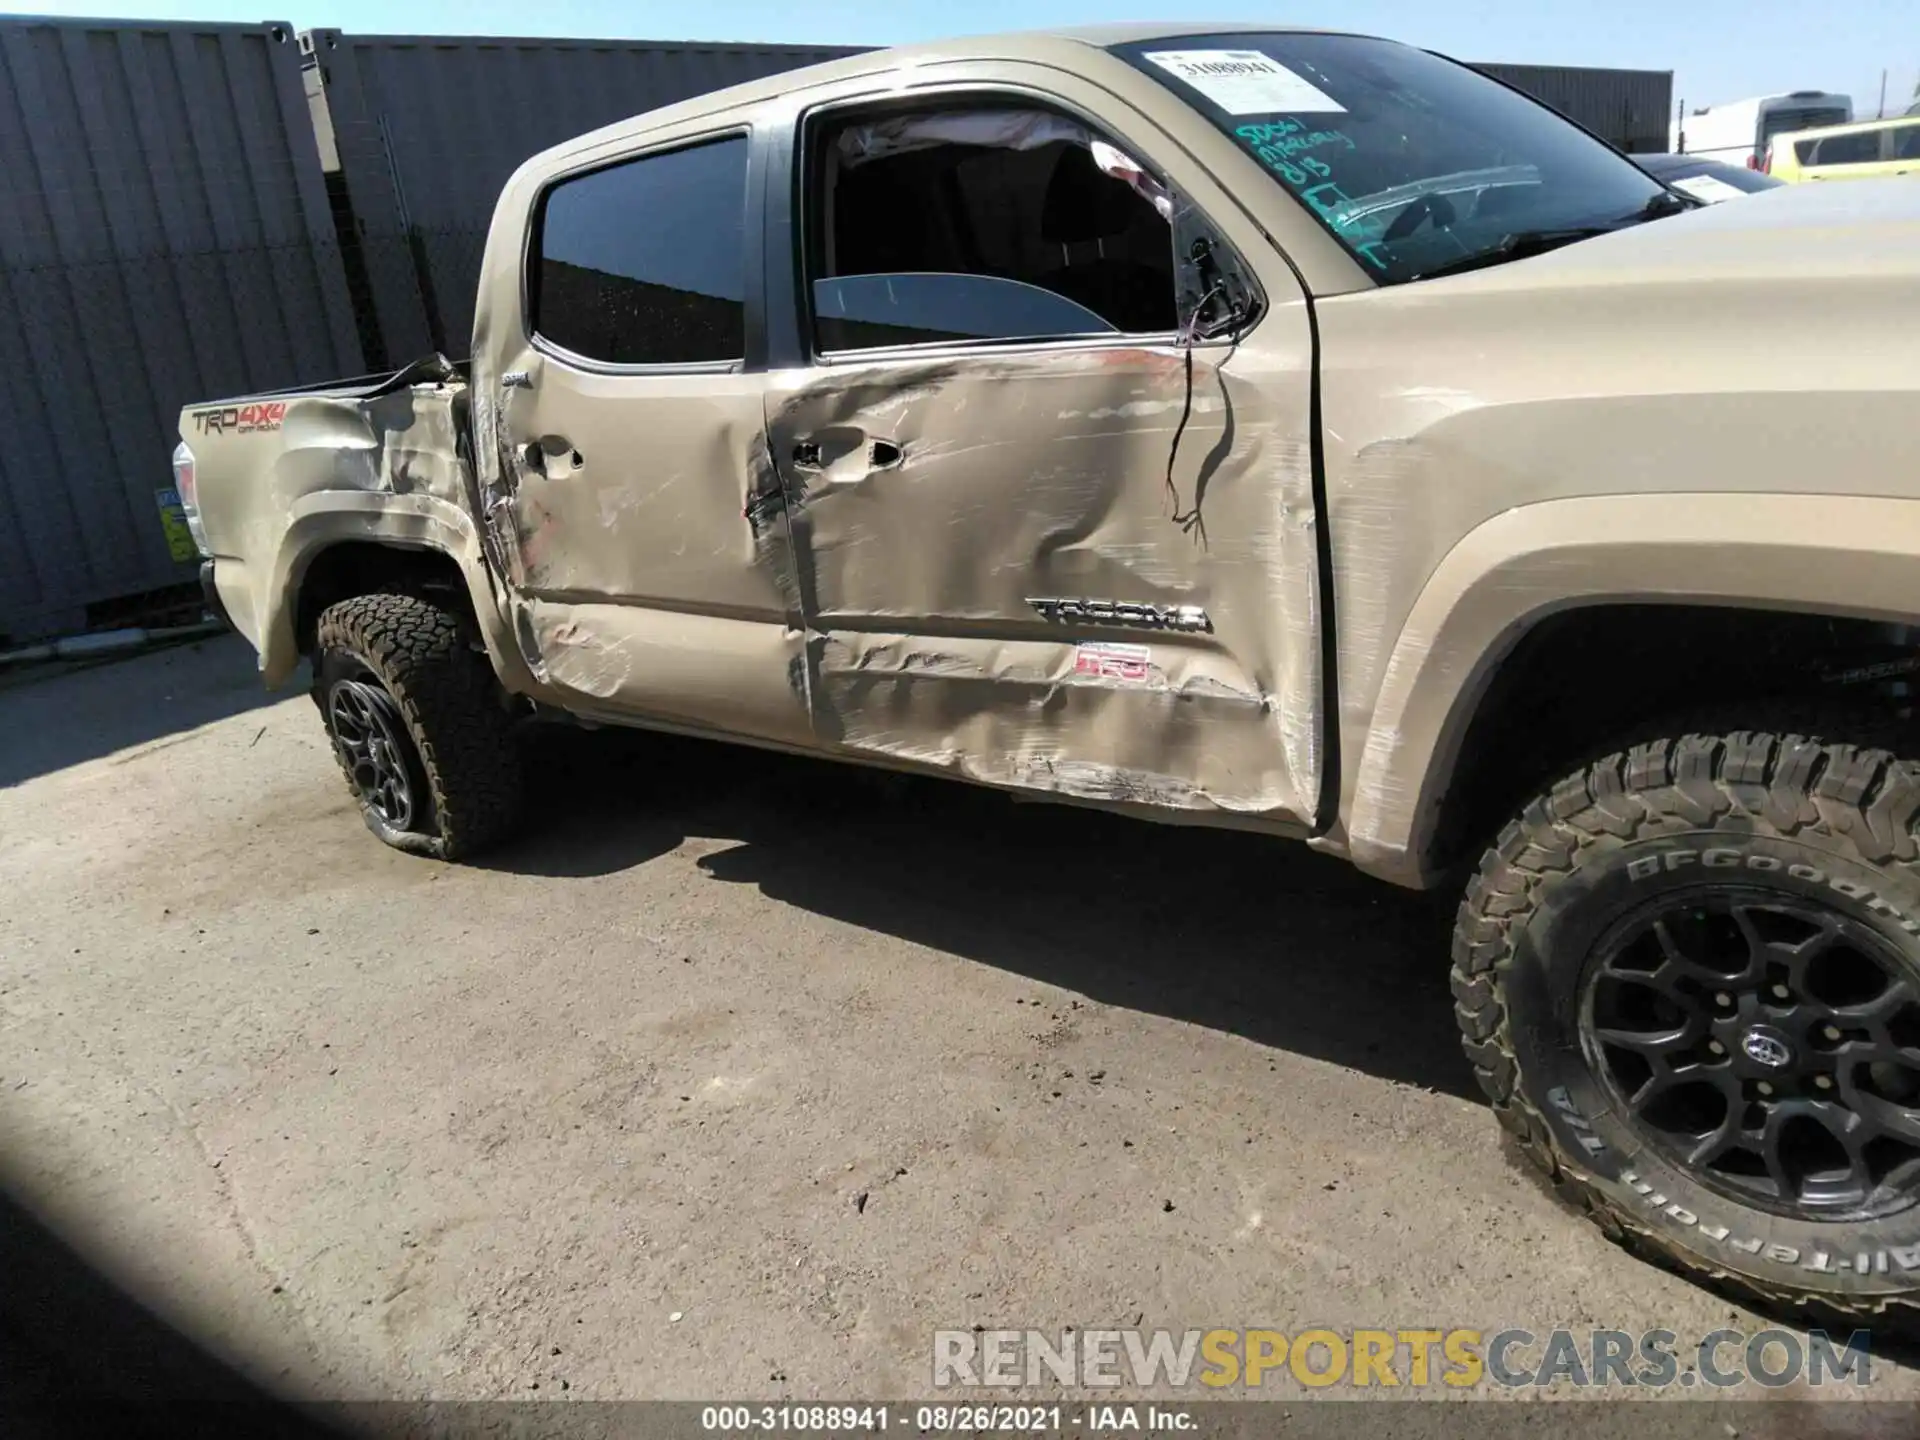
x=643 y=262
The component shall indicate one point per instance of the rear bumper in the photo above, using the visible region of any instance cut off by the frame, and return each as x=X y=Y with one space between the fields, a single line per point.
x=210 y=593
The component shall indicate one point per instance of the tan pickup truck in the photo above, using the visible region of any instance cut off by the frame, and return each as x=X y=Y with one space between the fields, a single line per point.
x=1288 y=431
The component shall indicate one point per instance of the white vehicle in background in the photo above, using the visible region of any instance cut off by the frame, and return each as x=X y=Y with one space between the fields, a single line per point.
x=1706 y=180
x=1739 y=131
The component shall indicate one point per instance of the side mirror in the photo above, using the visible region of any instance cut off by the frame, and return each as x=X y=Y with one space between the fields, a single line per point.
x=1215 y=296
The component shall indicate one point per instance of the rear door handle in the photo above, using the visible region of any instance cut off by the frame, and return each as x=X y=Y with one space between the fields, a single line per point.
x=537 y=452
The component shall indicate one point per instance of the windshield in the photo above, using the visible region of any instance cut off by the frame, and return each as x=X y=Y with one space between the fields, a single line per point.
x=1416 y=164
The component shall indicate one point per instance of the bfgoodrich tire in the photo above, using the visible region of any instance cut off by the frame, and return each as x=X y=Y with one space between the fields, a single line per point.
x=1688 y=978
x=416 y=722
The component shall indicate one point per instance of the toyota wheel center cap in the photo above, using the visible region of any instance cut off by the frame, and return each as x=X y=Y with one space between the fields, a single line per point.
x=1767 y=1047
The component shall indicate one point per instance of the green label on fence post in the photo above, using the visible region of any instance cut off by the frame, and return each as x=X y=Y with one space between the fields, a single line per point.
x=173 y=520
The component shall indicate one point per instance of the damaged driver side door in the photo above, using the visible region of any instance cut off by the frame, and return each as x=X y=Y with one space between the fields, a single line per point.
x=1044 y=437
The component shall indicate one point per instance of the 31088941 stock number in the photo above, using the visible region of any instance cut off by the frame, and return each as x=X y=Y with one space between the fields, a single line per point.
x=828 y=1418
x=832 y=1419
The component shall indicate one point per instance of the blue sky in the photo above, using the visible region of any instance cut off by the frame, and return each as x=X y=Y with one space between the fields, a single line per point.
x=1718 y=49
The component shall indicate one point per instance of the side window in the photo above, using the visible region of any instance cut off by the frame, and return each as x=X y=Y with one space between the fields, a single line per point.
x=1906 y=142
x=1862 y=147
x=644 y=263
x=982 y=224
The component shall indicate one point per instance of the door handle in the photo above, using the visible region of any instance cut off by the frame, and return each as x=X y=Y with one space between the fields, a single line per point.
x=537 y=451
x=881 y=455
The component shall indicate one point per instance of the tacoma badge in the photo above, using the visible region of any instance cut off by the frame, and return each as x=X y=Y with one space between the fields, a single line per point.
x=1117 y=612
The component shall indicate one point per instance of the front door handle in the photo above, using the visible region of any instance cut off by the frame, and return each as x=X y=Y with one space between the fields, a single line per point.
x=810 y=455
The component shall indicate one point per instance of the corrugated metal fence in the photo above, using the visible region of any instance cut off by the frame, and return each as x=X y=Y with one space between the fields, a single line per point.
x=1631 y=108
x=164 y=235
x=428 y=128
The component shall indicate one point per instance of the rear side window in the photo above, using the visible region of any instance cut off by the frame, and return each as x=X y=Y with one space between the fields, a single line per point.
x=1862 y=147
x=644 y=263
x=1906 y=142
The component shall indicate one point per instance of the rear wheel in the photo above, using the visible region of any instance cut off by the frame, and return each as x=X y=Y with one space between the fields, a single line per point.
x=1688 y=978
x=416 y=722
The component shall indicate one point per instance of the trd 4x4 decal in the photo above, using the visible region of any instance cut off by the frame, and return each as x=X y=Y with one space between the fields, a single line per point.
x=240 y=419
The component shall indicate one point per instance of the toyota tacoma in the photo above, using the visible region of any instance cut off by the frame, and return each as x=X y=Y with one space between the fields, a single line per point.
x=1295 y=432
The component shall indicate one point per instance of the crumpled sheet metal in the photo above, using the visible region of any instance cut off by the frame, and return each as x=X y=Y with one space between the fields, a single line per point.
x=881 y=612
x=386 y=470
x=648 y=567
x=403 y=443
x=706 y=672
x=1044 y=476
x=1182 y=731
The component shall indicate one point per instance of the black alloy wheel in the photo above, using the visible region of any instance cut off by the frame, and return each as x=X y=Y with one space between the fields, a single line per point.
x=418 y=722
x=374 y=749
x=1768 y=1045
x=1687 y=976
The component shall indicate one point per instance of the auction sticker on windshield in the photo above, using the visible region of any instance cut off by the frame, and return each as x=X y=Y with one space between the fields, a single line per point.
x=1707 y=188
x=1244 y=82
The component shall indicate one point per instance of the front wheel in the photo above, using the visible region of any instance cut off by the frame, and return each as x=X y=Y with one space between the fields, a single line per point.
x=417 y=726
x=1688 y=978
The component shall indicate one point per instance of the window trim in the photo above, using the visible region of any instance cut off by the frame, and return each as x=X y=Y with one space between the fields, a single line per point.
x=801 y=200
x=533 y=230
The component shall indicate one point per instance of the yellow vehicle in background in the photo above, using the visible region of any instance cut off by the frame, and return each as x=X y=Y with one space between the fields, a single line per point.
x=1864 y=150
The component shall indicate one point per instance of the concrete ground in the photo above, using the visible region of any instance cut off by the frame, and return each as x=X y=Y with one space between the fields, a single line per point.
x=731 y=1079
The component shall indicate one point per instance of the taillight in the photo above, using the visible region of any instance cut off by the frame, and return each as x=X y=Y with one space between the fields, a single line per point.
x=1766 y=165
x=184 y=483
x=1754 y=162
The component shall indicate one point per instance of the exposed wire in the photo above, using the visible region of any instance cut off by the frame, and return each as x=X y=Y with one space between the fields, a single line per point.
x=1186 y=338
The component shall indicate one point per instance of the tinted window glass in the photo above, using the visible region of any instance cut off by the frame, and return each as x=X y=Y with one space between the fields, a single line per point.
x=1413 y=162
x=982 y=224
x=1782 y=122
x=857 y=312
x=645 y=263
x=1862 y=147
x=1906 y=142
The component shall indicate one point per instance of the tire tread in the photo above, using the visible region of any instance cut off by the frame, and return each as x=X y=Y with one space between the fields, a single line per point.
x=1790 y=781
x=451 y=702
